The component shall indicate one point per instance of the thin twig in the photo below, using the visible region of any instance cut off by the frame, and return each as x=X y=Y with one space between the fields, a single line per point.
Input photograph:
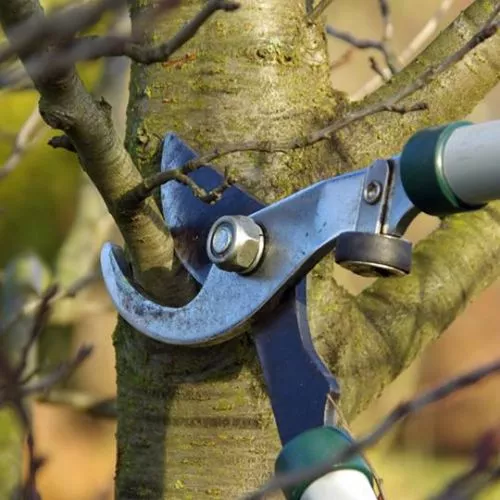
x=28 y=134
x=359 y=43
x=375 y=67
x=61 y=372
x=401 y=411
x=414 y=47
x=69 y=292
x=385 y=12
x=143 y=190
x=319 y=9
x=116 y=46
x=40 y=320
x=342 y=60
x=382 y=45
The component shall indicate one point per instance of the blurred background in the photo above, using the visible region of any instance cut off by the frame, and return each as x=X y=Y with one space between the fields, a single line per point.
x=52 y=224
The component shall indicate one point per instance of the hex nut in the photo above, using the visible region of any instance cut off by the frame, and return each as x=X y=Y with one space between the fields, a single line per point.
x=244 y=252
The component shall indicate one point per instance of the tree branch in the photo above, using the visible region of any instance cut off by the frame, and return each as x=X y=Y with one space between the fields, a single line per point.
x=82 y=402
x=148 y=185
x=316 y=12
x=483 y=472
x=16 y=386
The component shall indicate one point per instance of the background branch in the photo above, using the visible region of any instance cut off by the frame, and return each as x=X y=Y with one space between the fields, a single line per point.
x=31 y=130
x=16 y=386
x=413 y=48
x=382 y=45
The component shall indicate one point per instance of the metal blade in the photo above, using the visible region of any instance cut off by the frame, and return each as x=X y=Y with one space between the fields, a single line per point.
x=298 y=382
x=188 y=218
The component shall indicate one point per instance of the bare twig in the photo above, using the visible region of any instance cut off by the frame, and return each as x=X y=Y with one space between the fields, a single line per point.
x=41 y=314
x=385 y=12
x=375 y=67
x=61 y=372
x=382 y=46
x=401 y=411
x=59 y=294
x=27 y=135
x=319 y=9
x=92 y=48
x=414 y=47
x=342 y=60
x=143 y=190
x=359 y=43
x=30 y=491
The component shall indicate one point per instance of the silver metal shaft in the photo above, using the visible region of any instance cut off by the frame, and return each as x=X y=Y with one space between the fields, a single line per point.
x=471 y=162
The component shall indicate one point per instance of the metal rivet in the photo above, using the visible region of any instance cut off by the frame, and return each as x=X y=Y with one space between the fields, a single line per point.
x=222 y=239
x=372 y=192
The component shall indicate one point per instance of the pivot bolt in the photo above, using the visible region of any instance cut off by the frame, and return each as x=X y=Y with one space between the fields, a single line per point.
x=235 y=243
x=372 y=192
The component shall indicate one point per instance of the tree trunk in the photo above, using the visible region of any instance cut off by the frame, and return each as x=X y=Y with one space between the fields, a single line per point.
x=196 y=423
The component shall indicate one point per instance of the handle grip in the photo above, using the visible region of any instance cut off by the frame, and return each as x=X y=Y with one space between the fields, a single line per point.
x=452 y=168
x=348 y=480
x=340 y=485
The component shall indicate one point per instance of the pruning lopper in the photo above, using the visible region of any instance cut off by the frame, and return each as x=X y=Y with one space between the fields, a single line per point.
x=251 y=263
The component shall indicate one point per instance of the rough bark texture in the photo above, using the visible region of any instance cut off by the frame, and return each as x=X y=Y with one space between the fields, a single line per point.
x=197 y=423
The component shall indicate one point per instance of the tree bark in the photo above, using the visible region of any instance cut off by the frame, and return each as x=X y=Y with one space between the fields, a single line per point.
x=196 y=423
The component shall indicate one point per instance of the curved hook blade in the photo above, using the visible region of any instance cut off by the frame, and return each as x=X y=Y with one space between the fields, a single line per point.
x=300 y=230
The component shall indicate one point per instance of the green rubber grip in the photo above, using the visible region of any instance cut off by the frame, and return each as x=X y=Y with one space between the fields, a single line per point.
x=314 y=447
x=422 y=174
